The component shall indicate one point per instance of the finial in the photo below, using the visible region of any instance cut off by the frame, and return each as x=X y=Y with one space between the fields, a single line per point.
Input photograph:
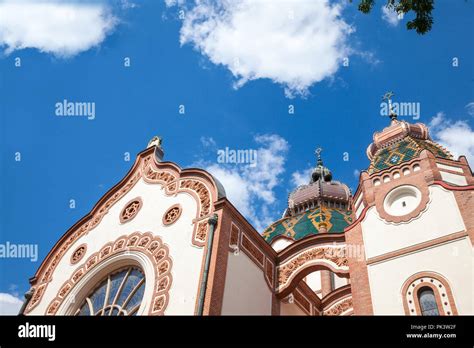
x=318 y=154
x=388 y=98
x=155 y=141
x=320 y=172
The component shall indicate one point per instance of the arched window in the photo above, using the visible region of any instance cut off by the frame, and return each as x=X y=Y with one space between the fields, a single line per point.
x=121 y=293
x=428 y=305
x=428 y=293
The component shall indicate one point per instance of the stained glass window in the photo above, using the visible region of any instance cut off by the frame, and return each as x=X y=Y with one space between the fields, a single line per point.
x=427 y=302
x=121 y=293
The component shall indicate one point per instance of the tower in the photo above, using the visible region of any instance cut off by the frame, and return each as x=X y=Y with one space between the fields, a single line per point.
x=414 y=217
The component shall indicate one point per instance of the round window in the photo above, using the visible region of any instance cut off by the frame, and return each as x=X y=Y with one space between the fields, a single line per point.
x=402 y=200
x=121 y=293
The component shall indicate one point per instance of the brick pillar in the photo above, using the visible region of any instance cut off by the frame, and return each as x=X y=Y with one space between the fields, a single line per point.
x=359 y=277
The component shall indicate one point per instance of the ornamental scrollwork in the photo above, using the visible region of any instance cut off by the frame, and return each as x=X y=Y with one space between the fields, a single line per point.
x=339 y=307
x=337 y=256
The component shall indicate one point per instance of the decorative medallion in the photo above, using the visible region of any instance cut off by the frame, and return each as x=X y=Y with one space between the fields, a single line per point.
x=78 y=254
x=172 y=214
x=131 y=210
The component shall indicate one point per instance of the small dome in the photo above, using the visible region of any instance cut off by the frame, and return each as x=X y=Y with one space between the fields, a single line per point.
x=321 y=172
x=321 y=190
x=322 y=205
x=401 y=142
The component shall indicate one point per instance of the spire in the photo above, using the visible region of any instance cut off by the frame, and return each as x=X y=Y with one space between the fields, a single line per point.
x=400 y=142
x=320 y=172
x=388 y=98
x=317 y=152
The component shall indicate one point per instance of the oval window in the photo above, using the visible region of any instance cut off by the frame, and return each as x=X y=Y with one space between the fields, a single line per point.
x=402 y=200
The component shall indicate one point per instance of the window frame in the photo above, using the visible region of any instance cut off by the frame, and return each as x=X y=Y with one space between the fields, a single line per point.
x=87 y=284
x=432 y=292
x=108 y=304
x=441 y=289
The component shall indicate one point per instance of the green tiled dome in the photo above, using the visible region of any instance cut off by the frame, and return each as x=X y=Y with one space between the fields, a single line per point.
x=308 y=223
x=401 y=142
x=404 y=151
x=321 y=206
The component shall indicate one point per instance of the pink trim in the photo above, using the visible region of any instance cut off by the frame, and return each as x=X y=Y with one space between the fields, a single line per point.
x=453 y=188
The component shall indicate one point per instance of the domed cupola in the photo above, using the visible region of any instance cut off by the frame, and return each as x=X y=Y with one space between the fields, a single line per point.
x=322 y=205
x=321 y=191
x=400 y=142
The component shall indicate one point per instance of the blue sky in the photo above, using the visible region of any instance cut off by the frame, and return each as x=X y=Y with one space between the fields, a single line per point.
x=231 y=70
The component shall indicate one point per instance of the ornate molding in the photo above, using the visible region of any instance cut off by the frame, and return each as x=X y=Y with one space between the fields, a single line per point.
x=202 y=192
x=146 y=243
x=234 y=237
x=200 y=234
x=333 y=258
x=269 y=273
x=339 y=307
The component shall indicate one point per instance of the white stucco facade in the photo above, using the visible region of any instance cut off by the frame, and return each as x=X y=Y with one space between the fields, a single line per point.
x=440 y=218
x=246 y=291
x=453 y=260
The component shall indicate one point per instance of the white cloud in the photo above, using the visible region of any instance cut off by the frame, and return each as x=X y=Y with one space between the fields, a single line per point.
x=457 y=137
x=391 y=16
x=170 y=3
x=293 y=43
x=208 y=142
x=470 y=108
x=13 y=290
x=126 y=4
x=302 y=177
x=9 y=304
x=61 y=28
x=252 y=188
